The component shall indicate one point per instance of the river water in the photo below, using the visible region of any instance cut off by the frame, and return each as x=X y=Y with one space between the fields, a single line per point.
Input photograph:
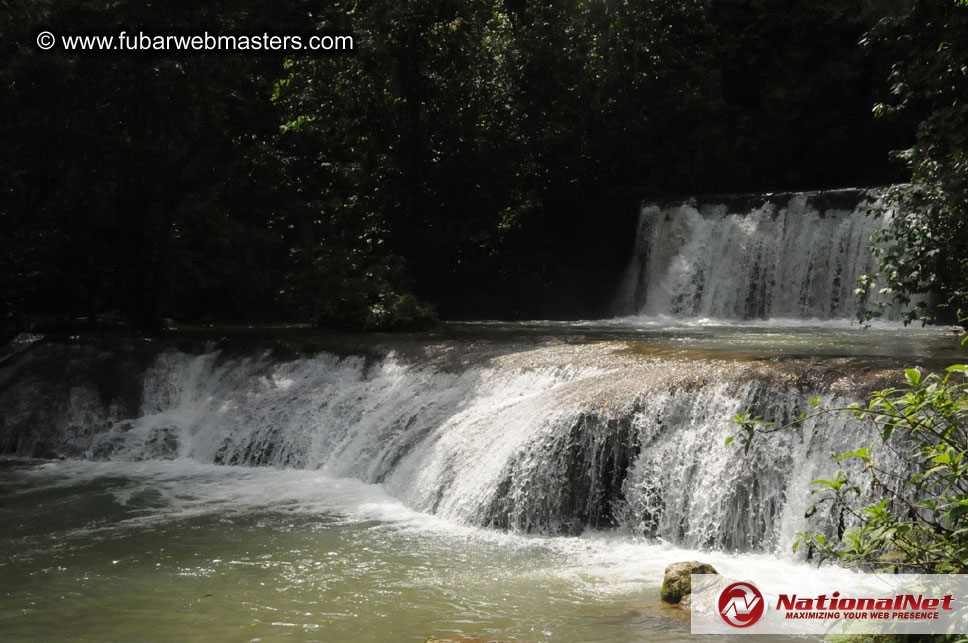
x=181 y=551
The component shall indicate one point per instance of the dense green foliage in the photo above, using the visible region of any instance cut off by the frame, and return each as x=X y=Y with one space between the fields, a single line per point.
x=481 y=157
x=912 y=516
x=133 y=183
x=905 y=508
x=925 y=248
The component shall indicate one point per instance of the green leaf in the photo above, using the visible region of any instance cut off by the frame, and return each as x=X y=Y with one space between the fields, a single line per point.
x=913 y=376
x=958 y=511
x=888 y=430
x=859 y=453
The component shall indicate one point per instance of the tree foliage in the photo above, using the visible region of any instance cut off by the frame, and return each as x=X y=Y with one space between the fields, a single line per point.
x=924 y=249
x=485 y=157
x=487 y=140
x=128 y=176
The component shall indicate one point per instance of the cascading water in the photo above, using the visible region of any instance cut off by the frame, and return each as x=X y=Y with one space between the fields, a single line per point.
x=797 y=256
x=549 y=439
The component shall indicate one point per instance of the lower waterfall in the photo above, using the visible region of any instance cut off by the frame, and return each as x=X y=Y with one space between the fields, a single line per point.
x=547 y=438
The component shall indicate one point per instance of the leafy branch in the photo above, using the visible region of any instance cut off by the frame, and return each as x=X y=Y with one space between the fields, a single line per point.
x=912 y=516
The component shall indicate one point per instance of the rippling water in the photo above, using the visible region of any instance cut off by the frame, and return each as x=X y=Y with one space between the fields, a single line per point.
x=182 y=551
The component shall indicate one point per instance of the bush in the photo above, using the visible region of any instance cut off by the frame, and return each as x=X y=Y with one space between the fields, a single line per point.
x=907 y=519
x=402 y=313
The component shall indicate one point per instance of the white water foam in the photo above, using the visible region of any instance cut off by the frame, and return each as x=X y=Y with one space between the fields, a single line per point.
x=553 y=440
x=795 y=262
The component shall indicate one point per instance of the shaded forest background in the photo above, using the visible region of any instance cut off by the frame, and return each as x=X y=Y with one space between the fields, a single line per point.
x=479 y=159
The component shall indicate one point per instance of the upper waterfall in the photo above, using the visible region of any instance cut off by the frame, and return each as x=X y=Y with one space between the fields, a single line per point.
x=795 y=256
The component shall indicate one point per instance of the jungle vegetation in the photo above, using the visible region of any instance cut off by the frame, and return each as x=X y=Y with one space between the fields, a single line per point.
x=466 y=159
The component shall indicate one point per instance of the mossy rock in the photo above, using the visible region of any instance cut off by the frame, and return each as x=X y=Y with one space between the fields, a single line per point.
x=677 y=582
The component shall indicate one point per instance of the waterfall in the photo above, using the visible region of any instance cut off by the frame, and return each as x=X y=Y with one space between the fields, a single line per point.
x=790 y=256
x=553 y=438
x=529 y=433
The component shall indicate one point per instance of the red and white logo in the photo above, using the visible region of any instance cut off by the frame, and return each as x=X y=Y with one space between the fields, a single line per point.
x=741 y=604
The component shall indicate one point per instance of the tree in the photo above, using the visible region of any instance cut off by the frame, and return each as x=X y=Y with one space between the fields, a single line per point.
x=477 y=136
x=923 y=250
x=134 y=181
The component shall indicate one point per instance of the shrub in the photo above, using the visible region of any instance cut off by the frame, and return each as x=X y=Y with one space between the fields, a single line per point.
x=912 y=518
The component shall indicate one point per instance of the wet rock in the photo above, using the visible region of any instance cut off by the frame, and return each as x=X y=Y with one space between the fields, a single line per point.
x=676 y=584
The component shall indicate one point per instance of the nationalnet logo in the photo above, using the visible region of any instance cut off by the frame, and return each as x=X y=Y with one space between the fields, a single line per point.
x=860 y=604
x=741 y=604
x=900 y=607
